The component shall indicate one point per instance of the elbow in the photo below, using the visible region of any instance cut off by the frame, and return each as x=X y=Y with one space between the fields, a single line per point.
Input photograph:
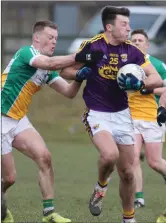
x=62 y=74
x=71 y=96
x=65 y=74
x=51 y=64
x=160 y=82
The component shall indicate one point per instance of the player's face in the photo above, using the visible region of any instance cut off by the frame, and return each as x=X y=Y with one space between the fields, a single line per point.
x=121 y=28
x=140 y=41
x=47 y=40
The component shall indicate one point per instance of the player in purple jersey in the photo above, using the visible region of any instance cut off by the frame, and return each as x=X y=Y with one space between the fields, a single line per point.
x=107 y=117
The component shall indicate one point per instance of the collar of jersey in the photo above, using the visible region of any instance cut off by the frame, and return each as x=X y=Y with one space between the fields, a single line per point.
x=35 y=48
x=105 y=38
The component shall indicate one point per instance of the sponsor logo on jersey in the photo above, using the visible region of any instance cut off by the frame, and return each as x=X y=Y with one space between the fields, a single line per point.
x=123 y=57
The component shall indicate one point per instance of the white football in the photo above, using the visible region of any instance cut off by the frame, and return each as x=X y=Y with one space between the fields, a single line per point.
x=134 y=69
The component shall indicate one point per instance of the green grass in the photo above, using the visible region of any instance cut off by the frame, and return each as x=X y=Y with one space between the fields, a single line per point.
x=75 y=176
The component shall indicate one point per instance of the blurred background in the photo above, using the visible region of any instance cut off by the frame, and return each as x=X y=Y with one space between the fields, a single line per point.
x=59 y=119
x=76 y=20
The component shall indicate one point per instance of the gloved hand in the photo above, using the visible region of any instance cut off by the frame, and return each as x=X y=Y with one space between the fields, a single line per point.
x=161 y=115
x=83 y=74
x=144 y=91
x=87 y=56
x=130 y=82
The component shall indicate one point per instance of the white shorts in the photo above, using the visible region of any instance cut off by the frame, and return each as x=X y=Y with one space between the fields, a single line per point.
x=11 y=128
x=150 y=131
x=119 y=124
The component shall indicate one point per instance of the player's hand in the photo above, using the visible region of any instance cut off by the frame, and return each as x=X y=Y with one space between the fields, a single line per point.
x=161 y=115
x=83 y=74
x=89 y=57
x=130 y=82
x=144 y=91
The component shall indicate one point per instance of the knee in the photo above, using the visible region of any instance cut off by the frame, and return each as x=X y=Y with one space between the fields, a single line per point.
x=153 y=163
x=110 y=157
x=127 y=175
x=9 y=179
x=44 y=161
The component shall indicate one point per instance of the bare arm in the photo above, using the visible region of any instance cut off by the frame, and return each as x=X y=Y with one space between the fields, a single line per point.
x=162 y=101
x=153 y=78
x=53 y=63
x=69 y=73
x=66 y=89
x=159 y=91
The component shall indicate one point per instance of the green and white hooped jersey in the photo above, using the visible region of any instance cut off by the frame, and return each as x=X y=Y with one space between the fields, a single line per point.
x=20 y=81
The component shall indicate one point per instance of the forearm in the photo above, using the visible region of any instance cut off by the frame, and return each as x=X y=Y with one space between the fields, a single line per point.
x=69 y=73
x=72 y=89
x=153 y=81
x=60 y=62
x=162 y=101
x=159 y=91
x=53 y=63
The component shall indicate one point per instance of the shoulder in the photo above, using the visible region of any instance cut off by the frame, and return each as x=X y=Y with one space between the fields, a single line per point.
x=97 y=38
x=134 y=49
x=131 y=45
x=93 y=41
x=156 y=60
x=31 y=49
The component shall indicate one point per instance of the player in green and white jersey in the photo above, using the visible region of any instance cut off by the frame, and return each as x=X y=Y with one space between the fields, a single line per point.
x=29 y=69
x=153 y=148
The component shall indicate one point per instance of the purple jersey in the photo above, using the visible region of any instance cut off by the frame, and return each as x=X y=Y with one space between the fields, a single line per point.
x=102 y=92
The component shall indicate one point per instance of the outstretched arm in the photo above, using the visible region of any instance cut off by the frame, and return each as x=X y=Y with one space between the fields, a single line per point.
x=53 y=63
x=60 y=62
x=69 y=73
x=70 y=90
x=66 y=89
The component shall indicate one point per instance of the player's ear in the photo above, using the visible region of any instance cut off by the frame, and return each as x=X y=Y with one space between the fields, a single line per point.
x=147 y=45
x=109 y=27
x=36 y=37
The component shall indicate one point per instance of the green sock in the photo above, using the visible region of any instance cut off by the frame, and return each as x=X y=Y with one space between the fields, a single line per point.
x=139 y=195
x=48 y=206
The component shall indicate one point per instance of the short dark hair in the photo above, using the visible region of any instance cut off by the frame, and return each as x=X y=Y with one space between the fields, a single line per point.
x=40 y=25
x=140 y=31
x=109 y=14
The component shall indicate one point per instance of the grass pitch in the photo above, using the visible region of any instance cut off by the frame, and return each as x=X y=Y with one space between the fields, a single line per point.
x=75 y=176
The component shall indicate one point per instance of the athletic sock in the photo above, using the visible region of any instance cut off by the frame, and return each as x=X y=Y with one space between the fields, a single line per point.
x=128 y=214
x=48 y=206
x=139 y=195
x=103 y=184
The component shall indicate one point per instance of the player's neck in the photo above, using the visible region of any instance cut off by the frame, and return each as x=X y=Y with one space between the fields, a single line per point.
x=111 y=40
x=36 y=46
